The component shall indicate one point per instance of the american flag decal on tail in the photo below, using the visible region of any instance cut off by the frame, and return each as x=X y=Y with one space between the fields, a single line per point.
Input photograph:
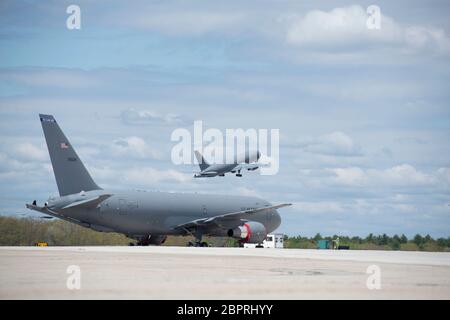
x=64 y=145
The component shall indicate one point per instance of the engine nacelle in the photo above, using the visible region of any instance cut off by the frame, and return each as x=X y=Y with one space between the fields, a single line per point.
x=252 y=232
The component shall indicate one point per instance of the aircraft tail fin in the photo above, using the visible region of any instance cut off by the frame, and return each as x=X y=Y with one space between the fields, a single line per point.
x=70 y=174
x=201 y=161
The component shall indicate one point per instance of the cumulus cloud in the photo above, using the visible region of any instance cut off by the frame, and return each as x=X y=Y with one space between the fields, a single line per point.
x=134 y=147
x=27 y=172
x=248 y=192
x=150 y=176
x=149 y=117
x=342 y=28
x=349 y=176
x=22 y=159
x=345 y=29
x=28 y=151
x=403 y=175
x=336 y=144
x=319 y=207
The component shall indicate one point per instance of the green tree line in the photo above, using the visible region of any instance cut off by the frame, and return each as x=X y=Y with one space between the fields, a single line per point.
x=28 y=231
x=374 y=242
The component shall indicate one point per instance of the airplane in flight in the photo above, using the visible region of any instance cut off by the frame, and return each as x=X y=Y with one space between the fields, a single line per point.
x=241 y=162
x=148 y=216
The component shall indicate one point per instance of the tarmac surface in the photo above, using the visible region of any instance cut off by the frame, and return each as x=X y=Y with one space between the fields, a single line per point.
x=220 y=273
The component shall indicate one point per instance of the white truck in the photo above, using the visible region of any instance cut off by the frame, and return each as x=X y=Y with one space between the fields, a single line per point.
x=273 y=240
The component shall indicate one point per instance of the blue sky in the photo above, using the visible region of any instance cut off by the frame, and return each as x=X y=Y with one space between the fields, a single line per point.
x=364 y=115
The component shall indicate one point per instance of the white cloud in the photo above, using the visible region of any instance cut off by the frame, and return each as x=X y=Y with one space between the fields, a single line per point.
x=150 y=117
x=105 y=174
x=31 y=152
x=345 y=29
x=403 y=175
x=318 y=207
x=188 y=22
x=336 y=143
x=443 y=175
x=134 y=147
x=340 y=26
x=349 y=176
x=419 y=37
x=50 y=77
x=244 y=191
x=146 y=177
x=150 y=176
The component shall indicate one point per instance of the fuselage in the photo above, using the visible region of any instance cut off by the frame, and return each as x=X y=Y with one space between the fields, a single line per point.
x=153 y=212
x=217 y=169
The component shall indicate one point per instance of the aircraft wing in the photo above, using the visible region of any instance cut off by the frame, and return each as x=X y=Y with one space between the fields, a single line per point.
x=248 y=166
x=227 y=217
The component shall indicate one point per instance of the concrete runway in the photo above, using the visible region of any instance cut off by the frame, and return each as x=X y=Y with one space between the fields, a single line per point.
x=220 y=273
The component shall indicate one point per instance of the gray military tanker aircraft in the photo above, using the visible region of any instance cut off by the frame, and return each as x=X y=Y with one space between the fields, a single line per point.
x=148 y=217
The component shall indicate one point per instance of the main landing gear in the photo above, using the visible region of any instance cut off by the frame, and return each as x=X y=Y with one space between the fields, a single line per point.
x=198 y=241
x=197 y=244
x=239 y=174
x=139 y=243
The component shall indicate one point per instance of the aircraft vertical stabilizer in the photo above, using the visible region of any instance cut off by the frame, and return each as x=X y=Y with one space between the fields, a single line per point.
x=70 y=174
x=201 y=161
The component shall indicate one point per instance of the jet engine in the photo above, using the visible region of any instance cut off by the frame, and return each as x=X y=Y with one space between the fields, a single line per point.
x=252 y=232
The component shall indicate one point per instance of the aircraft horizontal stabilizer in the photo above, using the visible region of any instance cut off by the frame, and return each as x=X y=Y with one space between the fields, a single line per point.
x=52 y=213
x=88 y=203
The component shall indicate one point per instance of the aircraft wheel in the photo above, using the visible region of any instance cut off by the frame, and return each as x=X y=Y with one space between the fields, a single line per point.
x=203 y=244
x=190 y=244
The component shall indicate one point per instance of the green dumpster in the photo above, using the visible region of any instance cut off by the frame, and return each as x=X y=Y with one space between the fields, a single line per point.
x=323 y=244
